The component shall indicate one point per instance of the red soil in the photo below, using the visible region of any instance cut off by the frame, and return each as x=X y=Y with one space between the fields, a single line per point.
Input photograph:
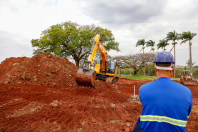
x=43 y=68
x=40 y=94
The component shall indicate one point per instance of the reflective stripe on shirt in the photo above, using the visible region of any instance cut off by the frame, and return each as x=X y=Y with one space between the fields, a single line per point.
x=169 y=120
x=189 y=115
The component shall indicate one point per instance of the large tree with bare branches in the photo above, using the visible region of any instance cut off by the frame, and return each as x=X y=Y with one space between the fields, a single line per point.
x=136 y=61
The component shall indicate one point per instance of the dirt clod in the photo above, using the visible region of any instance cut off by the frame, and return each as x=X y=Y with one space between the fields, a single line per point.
x=55 y=105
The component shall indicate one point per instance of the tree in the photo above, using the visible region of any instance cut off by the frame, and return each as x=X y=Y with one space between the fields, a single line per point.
x=173 y=36
x=136 y=61
x=195 y=73
x=142 y=42
x=188 y=63
x=188 y=36
x=151 y=44
x=71 y=39
x=178 y=72
x=162 y=44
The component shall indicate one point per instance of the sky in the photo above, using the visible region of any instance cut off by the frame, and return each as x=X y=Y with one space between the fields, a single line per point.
x=129 y=20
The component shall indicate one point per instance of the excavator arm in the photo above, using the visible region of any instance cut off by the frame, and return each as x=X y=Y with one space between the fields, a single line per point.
x=97 y=45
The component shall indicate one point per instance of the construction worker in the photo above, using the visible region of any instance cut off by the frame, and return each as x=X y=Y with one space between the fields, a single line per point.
x=166 y=104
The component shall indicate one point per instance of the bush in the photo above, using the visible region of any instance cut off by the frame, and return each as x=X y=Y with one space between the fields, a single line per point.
x=140 y=72
x=149 y=69
x=152 y=71
x=178 y=71
x=195 y=73
x=127 y=71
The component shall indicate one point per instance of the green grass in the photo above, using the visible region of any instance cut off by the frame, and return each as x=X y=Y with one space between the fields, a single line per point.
x=141 y=77
x=138 y=77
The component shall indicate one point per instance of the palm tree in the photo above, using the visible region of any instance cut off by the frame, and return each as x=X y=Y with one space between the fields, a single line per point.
x=151 y=44
x=173 y=36
x=188 y=36
x=162 y=44
x=141 y=42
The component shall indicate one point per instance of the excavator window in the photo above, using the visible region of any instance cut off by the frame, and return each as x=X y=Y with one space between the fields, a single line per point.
x=111 y=67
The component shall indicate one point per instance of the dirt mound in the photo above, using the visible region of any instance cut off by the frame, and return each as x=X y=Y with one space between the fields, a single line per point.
x=43 y=69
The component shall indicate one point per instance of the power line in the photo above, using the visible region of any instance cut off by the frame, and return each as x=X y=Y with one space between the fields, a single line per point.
x=188 y=48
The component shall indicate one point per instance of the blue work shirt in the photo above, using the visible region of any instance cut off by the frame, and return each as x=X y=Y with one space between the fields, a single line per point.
x=166 y=106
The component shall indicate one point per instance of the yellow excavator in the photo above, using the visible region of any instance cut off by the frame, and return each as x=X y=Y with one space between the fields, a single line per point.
x=186 y=78
x=105 y=71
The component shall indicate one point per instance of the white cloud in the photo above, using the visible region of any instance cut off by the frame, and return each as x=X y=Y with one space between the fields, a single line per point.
x=13 y=45
x=129 y=20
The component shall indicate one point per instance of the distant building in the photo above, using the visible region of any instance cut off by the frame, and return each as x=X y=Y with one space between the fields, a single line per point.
x=178 y=66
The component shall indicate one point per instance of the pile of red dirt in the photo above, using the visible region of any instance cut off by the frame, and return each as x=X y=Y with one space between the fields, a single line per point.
x=43 y=69
x=28 y=107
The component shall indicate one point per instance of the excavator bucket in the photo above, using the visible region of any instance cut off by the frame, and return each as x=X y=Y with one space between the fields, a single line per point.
x=86 y=78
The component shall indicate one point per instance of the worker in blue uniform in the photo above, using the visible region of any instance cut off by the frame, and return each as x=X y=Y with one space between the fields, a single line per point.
x=166 y=104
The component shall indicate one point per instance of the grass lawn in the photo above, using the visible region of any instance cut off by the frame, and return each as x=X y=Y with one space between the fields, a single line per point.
x=141 y=77
x=138 y=77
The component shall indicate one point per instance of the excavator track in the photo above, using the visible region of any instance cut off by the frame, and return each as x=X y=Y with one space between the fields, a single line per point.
x=112 y=79
x=189 y=82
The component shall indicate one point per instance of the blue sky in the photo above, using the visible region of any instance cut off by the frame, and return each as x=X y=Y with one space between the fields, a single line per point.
x=129 y=20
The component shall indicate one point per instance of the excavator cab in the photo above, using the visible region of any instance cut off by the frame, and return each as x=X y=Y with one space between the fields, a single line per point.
x=111 y=67
x=108 y=73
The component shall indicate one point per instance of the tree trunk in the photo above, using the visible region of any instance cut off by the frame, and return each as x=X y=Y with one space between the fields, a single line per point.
x=174 y=60
x=143 y=62
x=135 y=72
x=77 y=62
x=190 y=55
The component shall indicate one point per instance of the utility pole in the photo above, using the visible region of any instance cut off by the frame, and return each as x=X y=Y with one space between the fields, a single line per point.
x=190 y=61
x=174 y=58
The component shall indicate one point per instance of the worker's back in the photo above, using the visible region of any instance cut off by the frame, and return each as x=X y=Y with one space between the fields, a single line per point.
x=166 y=106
